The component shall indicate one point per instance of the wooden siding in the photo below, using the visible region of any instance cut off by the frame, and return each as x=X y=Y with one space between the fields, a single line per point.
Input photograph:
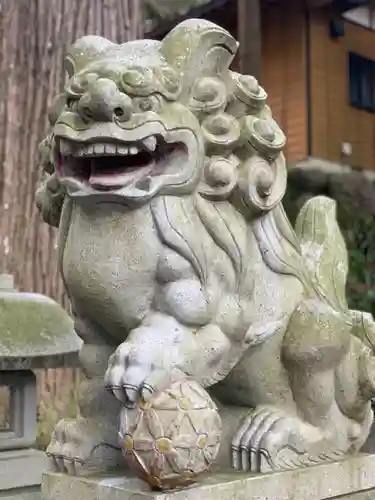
x=283 y=68
x=333 y=120
x=284 y=72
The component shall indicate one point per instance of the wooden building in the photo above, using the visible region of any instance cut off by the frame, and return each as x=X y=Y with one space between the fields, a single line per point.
x=318 y=66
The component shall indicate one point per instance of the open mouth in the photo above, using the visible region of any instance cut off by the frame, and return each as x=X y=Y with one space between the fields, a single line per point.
x=109 y=166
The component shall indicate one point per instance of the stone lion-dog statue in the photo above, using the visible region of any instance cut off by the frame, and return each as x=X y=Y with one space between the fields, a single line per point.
x=165 y=176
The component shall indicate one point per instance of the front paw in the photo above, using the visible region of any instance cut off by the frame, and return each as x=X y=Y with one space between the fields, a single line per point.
x=135 y=372
x=84 y=445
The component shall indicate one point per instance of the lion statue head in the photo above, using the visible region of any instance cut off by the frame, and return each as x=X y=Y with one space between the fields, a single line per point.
x=149 y=118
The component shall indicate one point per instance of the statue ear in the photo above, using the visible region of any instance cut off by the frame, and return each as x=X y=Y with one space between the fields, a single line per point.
x=83 y=51
x=56 y=108
x=197 y=48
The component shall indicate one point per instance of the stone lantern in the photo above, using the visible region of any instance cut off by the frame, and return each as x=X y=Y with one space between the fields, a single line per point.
x=35 y=333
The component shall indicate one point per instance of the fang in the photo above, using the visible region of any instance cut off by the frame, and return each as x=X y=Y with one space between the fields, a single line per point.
x=150 y=143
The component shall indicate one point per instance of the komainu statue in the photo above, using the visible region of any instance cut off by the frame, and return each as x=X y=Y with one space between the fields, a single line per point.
x=165 y=175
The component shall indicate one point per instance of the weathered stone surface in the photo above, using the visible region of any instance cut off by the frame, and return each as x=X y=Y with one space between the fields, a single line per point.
x=315 y=483
x=40 y=362
x=22 y=494
x=165 y=176
x=363 y=495
x=35 y=332
x=20 y=468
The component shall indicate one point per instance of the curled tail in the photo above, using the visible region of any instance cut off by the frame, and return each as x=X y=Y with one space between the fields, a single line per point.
x=325 y=256
x=323 y=250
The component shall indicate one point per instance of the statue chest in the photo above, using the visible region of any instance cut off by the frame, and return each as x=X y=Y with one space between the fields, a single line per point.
x=109 y=262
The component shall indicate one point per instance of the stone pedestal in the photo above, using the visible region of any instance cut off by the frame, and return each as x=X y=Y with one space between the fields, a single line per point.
x=353 y=479
x=29 y=494
x=20 y=468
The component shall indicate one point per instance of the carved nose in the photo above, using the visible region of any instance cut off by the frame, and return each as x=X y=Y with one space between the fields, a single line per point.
x=104 y=102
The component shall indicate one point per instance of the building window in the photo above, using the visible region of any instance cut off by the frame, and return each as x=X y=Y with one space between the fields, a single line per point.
x=361 y=82
x=364 y=16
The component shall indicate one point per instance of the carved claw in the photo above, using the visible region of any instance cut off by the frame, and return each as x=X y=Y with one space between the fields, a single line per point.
x=84 y=444
x=263 y=434
x=134 y=372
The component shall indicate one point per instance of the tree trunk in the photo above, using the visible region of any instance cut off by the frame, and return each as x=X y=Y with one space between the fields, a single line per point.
x=34 y=36
x=250 y=37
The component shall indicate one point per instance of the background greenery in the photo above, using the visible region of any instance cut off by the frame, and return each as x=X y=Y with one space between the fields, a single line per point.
x=359 y=232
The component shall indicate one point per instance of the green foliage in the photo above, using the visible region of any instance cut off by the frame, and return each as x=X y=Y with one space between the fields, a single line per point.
x=359 y=233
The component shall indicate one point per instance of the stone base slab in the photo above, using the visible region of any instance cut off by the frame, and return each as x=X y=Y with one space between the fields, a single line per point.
x=345 y=478
x=21 y=468
x=26 y=494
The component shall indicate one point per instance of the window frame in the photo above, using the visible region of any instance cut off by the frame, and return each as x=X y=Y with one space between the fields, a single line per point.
x=361 y=73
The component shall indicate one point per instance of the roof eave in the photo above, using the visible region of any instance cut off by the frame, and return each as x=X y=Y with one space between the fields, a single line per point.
x=342 y=4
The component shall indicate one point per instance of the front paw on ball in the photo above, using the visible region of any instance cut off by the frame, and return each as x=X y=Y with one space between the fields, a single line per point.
x=174 y=437
x=134 y=372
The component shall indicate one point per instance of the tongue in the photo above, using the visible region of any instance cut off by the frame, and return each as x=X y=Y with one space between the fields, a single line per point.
x=107 y=179
x=117 y=177
x=105 y=173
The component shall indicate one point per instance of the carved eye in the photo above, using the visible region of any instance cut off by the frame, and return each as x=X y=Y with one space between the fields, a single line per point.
x=135 y=78
x=150 y=103
x=71 y=104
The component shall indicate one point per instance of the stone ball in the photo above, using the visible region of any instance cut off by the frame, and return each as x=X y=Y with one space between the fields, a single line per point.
x=173 y=438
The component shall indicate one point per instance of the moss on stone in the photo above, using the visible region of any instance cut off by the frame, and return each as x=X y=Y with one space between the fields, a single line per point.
x=33 y=325
x=358 y=228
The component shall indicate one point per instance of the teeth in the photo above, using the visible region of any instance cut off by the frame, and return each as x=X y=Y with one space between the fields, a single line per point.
x=103 y=149
x=110 y=149
x=65 y=147
x=88 y=151
x=99 y=149
x=150 y=143
x=121 y=150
